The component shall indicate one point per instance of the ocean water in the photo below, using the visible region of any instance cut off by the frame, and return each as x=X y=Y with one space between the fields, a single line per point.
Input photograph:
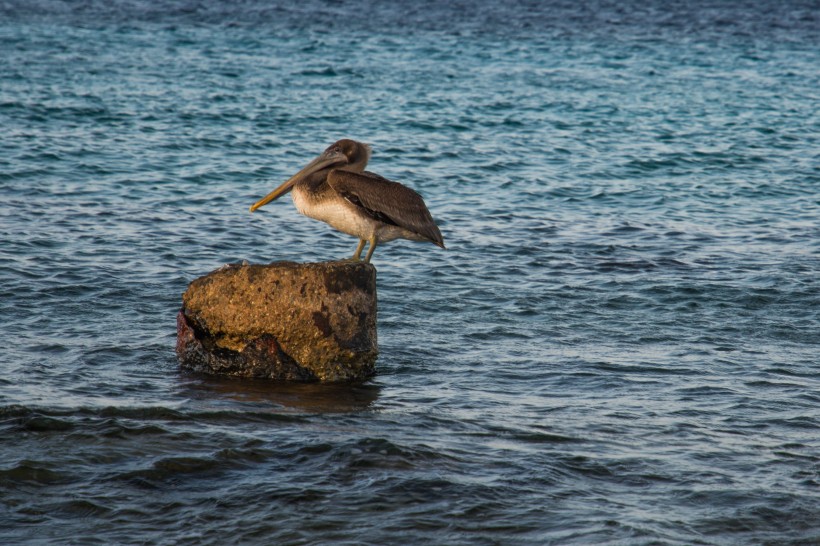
x=621 y=344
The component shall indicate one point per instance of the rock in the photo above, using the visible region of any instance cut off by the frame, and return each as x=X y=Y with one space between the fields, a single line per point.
x=284 y=320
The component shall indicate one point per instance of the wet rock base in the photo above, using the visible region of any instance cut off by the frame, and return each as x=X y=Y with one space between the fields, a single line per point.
x=284 y=320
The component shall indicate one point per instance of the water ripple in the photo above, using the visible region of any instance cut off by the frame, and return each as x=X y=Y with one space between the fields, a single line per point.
x=618 y=346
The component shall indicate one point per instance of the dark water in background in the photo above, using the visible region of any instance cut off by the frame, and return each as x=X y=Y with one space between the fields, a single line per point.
x=620 y=346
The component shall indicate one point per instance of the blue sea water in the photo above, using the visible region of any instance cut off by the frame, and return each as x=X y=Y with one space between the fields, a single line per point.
x=621 y=344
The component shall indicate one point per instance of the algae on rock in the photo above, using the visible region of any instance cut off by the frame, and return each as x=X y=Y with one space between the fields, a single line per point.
x=284 y=320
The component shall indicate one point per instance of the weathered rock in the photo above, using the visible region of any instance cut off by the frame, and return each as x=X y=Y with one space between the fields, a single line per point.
x=284 y=320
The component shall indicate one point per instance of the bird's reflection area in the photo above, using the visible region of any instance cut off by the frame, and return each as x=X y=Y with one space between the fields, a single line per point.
x=278 y=396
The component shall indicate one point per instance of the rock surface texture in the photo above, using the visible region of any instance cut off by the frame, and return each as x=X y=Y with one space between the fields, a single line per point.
x=284 y=320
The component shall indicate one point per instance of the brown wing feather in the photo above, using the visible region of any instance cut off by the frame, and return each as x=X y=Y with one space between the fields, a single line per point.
x=386 y=201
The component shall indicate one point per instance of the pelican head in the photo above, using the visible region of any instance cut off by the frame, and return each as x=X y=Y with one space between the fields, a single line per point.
x=344 y=154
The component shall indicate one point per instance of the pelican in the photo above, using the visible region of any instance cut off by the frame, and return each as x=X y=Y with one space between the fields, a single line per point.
x=335 y=189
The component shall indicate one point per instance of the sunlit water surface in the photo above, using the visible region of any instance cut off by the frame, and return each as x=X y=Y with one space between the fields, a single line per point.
x=620 y=344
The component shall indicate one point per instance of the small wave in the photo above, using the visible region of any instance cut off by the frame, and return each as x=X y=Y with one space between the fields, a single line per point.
x=110 y=419
x=544 y=438
x=81 y=508
x=34 y=472
x=174 y=468
x=382 y=453
x=328 y=72
x=42 y=423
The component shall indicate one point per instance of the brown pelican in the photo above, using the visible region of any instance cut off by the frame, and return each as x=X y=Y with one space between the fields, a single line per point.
x=335 y=189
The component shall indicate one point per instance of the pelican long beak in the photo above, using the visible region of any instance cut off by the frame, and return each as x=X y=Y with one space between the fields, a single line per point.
x=327 y=159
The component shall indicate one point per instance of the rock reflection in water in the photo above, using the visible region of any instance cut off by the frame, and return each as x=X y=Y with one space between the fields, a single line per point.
x=279 y=395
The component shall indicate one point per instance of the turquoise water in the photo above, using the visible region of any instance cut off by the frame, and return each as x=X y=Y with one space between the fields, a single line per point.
x=619 y=346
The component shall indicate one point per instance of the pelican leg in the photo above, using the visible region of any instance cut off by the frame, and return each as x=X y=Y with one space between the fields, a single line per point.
x=358 y=254
x=371 y=249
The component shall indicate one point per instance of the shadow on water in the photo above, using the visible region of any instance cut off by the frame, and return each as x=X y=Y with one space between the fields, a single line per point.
x=303 y=397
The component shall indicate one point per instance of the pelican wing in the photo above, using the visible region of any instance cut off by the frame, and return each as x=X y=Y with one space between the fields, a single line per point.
x=386 y=201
